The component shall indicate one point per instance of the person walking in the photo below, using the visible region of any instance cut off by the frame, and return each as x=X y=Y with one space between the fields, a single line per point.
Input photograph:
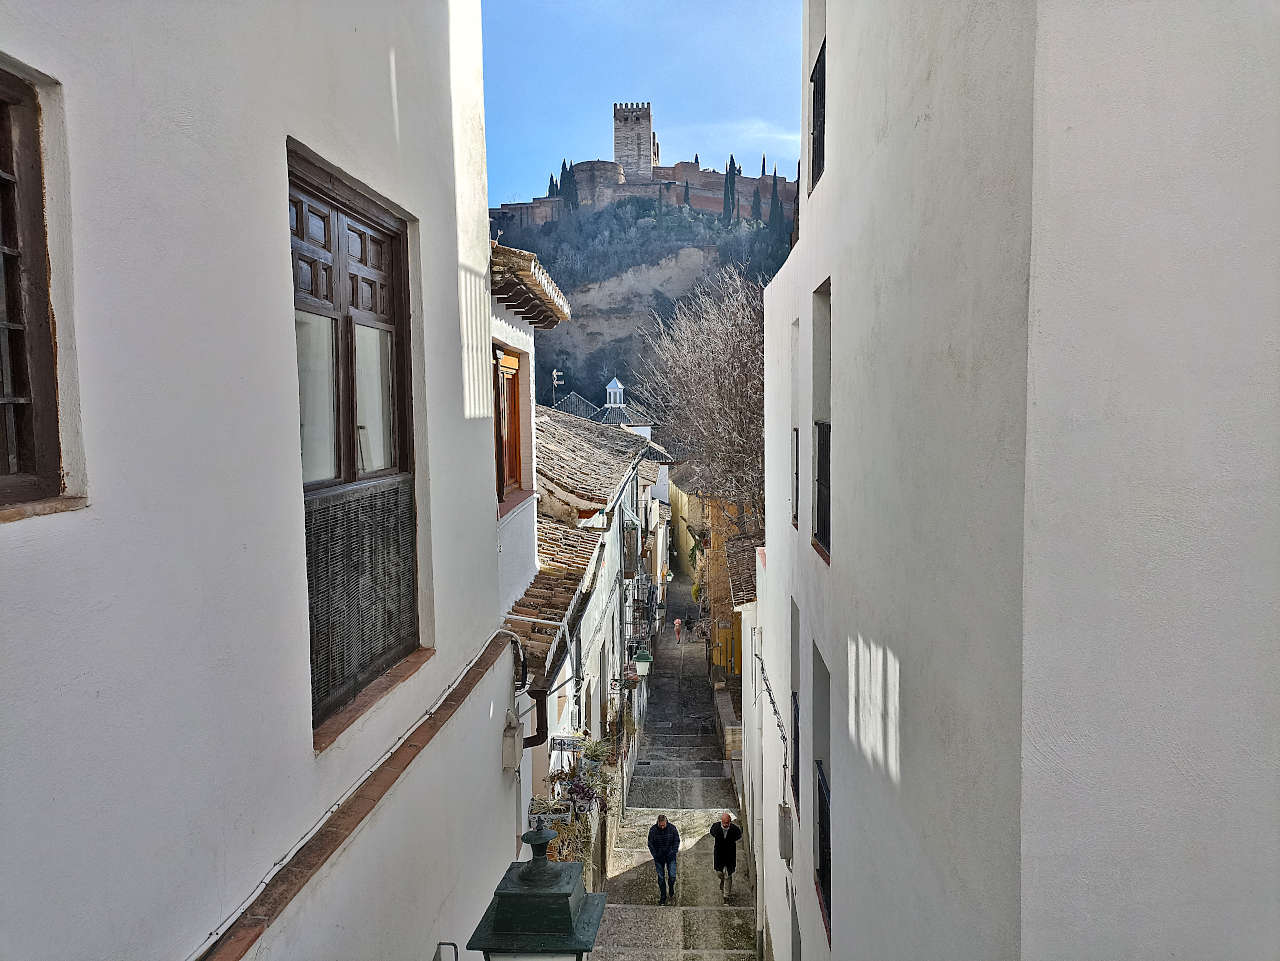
x=724 y=855
x=664 y=845
x=678 y=623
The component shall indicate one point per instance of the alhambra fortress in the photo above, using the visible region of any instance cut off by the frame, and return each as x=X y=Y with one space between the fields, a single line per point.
x=635 y=171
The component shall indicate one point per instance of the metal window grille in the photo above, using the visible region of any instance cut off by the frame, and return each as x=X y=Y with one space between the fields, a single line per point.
x=818 y=150
x=824 y=841
x=30 y=460
x=822 y=486
x=795 y=749
x=795 y=475
x=361 y=574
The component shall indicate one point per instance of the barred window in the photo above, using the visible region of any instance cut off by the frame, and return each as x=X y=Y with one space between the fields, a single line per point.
x=30 y=457
x=350 y=296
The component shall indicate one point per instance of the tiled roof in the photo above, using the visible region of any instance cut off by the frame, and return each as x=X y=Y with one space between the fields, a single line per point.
x=574 y=403
x=626 y=414
x=740 y=551
x=584 y=459
x=520 y=282
x=564 y=553
x=665 y=510
x=649 y=471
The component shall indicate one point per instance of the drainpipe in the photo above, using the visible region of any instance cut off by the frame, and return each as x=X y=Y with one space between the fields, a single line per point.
x=539 y=696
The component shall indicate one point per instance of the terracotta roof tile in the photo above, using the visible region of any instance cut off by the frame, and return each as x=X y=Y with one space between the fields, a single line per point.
x=587 y=460
x=740 y=553
x=564 y=553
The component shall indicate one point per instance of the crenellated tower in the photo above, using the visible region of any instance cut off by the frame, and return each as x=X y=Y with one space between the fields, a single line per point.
x=635 y=146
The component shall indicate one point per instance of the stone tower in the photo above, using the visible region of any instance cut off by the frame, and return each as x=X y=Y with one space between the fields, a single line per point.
x=634 y=145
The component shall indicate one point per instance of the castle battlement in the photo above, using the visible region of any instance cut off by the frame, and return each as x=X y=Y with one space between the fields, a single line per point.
x=635 y=171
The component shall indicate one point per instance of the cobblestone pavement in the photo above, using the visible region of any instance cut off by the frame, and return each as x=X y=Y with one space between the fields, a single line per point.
x=679 y=772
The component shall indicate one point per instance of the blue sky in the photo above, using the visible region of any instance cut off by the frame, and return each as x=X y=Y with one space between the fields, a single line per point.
x=721 y=77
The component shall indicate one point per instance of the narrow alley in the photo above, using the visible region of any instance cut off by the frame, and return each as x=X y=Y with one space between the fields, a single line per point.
x=680 y=772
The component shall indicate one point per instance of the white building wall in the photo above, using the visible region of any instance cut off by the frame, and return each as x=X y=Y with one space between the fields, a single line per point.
x=1051 y=232
x=928 y=145
x=156 y=691
x=518 y=528
x=1151 y=696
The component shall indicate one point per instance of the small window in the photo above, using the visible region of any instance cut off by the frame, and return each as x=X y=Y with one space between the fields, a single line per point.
x=507 y=412
x=822 y=416
x=818 y=132
x=30 y=456
x=795 y=477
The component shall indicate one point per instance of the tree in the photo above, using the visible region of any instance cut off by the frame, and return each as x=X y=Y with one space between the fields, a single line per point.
x=552 y=189
x=568 y=186
x=701 y=375
x=686 y=193
x=762 y=166
x=775 y=207
x=755 y=205
x=696 y=162
x=731 y=191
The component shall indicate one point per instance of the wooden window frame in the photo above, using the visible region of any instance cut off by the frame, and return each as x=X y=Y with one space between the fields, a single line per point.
x=30 y=445
x=349 y=205
x=508 y=430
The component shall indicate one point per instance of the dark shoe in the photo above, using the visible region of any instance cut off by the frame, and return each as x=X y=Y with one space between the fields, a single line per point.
x=663 y=901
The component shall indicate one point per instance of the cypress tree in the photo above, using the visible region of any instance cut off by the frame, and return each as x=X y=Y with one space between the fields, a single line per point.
x=686 y=193
x=775 y=207
x=731 y=191
x=569 y=188
x=755 y=205
x=696 y=161
x=762 y=166
x=551 y=186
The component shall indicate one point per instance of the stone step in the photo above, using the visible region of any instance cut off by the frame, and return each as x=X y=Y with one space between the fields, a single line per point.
x=701 y=739
x=682 y=793
x=663 y=767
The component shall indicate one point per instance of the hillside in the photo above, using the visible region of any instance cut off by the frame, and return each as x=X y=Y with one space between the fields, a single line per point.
x=619 y=264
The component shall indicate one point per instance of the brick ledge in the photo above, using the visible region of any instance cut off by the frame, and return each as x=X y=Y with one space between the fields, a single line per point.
x=286 y=883
x=382 y=685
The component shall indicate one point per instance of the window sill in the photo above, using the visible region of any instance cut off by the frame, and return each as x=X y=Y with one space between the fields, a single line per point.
x=514 y=500
x=333 y=726
x=49 y=505
x=820 y=551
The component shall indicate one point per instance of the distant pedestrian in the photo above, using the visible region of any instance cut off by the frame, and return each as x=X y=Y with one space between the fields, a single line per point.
x=664 y=845
x=725 y=853
x=678 y=623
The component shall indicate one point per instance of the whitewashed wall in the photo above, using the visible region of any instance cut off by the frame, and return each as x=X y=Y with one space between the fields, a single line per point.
x=518 y=528
x=1052 y=234
x=155 y=737
x=1151 y=698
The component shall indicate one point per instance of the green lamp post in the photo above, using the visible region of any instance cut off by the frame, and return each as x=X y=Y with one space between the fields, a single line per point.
x=540 y=910
x=644 y=660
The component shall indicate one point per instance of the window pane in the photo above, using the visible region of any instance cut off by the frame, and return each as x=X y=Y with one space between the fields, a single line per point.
x=317 y=400
x=374 y=449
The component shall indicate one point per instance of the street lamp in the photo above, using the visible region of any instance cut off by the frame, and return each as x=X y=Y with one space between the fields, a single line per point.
x=540 y=910
x=644 y=660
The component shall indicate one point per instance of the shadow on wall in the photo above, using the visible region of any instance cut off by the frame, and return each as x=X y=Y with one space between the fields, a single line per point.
x=473 y=320
x=873 y=705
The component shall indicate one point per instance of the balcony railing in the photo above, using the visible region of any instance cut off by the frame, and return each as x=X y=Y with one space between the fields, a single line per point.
x=823 y=853
x=822 y=486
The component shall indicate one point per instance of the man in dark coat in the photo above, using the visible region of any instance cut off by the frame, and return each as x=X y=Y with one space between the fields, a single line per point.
x=725 y=853
x=664 y=845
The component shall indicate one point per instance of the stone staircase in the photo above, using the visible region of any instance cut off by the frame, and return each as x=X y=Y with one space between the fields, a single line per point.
x=680 y=772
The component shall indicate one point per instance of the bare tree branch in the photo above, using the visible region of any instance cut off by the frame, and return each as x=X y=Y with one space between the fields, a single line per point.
x=701 y=373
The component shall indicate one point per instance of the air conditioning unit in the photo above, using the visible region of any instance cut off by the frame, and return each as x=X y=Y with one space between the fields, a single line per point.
x=786 y=833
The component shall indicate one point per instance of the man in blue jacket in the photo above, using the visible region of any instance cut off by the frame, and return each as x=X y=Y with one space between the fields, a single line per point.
x=664 y=845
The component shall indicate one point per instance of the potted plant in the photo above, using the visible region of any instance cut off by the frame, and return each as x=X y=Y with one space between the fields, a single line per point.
x=594 y=753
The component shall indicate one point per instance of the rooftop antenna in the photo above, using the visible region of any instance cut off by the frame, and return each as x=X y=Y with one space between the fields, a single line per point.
x=556 y=381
